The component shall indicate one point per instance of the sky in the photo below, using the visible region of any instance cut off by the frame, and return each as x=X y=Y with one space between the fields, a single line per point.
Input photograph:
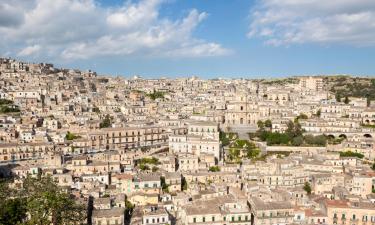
x=206 y=38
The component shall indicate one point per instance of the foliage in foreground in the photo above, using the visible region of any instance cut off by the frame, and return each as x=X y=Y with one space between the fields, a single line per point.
x=39 y=202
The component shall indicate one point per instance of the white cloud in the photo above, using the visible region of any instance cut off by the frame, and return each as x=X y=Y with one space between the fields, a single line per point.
x=83 y=29
x=284 y=22
x=29 y=50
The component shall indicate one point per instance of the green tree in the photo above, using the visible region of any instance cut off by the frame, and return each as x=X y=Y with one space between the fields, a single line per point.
x=260 y=124
x=12 y=209
x=106 y=122
x=268 y=123
x=278 y=139
x=307 y=188
x=338 y=97
x=164 y=185
x=297 y=141
x=48 y=204
x=184 y=184
x=40 y=202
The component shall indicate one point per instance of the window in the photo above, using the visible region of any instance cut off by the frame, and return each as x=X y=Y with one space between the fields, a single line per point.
x=204 y=219
x=194 y=220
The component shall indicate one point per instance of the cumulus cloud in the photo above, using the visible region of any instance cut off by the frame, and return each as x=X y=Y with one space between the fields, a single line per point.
x=29 y=50
x=284 y=22
x=83 y=29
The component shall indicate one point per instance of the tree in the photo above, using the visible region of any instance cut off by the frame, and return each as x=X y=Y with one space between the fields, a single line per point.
x=106 y=122
x=184 y=184
x=260 y=124
x=42 y=202
x=303 y=116
x=319 y=112
x=268 y=123
x=164 y=185
x=293 y=129
x=338 y=97
x=47 y=204
x=277 y=139
x=346 y=101
x=307 y=188
x=253 y=153
x=12 y=210
x=128 y=209
x=297 y=141
x=319 y=140
x=223 y=138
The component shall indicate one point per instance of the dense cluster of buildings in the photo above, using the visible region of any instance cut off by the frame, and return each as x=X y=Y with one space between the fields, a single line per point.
x=149 y=151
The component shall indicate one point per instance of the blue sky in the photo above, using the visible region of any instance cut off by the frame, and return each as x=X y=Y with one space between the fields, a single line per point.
x=208 y=38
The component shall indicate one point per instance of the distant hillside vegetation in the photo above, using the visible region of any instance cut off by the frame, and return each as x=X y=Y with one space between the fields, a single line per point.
x=346 y=86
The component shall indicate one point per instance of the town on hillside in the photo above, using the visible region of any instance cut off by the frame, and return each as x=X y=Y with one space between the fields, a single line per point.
x=81 y=148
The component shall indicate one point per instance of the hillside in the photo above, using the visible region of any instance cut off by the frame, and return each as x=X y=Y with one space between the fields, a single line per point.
x=346 y=86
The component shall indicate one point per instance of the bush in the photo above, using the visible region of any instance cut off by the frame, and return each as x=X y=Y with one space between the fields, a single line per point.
x=70 y=136
x=152 y=160
x=5 y=102
x=351 y=154
x=144 y=167
x=9 y=109
x=214 y=169
x=277 y=139
x=268 y=123
x=297 y=141
x=319 y=140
